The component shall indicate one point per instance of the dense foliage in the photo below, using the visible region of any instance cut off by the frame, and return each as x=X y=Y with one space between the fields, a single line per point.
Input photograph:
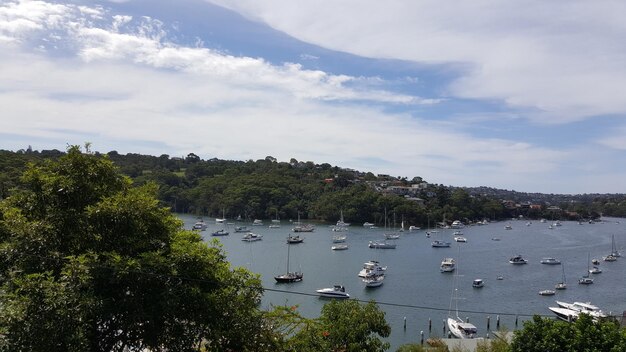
x=267 y=188
x=89 y=263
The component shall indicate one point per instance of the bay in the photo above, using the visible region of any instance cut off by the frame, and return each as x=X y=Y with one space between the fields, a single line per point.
x=415 y=288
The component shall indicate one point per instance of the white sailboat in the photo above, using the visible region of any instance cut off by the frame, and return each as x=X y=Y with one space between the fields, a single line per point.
x=561 y=285
x=585 y=279
x=614 y=252
x=456 y=325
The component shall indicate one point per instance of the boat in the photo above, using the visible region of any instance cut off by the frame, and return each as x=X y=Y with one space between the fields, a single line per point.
x=274 y=226
x=300 y=227
x=583 y=307
x=550 y=261
x=289 y=276
x=456 y=325
x=508 y=227
x=518 y=259
x=382 y=244
x=337 y=291
x=460 y=239
x=372 y=268
x=614 y=252
x=595 y=261
x=529 y=223
x=547 y=292
x=414 y=228
x=495 y=238
x=341 y=223
x=221 y=232
x=374 y=281
x=199 y=225
x=595 y=270
x=440 y=244
x=447 y=265
x=241 y=229
x=500 y=277
x=367 y=224
x=392 y=236
x=339 y=247
x=252 y=237
x=276 y=220
x=457 y=224
x=257 y=222
x=478 y=283
x=389 y=235
x=457 y=233
x=585 y=279
x=291 y=239
x=339 y=228
x=543 y=220
x=561 y=285
x=339 y=238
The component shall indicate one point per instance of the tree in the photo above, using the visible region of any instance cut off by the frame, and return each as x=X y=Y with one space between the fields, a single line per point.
x=545 y=335
x=90 y=263
x=343 y=326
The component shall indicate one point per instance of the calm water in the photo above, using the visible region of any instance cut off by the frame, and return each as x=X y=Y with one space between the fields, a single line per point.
x=418 y=291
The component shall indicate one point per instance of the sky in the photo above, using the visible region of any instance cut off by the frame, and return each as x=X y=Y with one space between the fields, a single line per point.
x=525 y=95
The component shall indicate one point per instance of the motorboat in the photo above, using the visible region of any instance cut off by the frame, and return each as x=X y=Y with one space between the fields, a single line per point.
x=242 y=229
x=257 y=222
x=595 y=270
x=508 y=227
x=291 y=239
x=304 y=228
x=251 y=237
x=583 y=307
x=495 y=238
x=339 y=238
x=414 y=228
x=460 y=239
x=595 y=261
x=382 y=244
x=564 y=313
x=447 y=265
x=547 y=292
x=457 y=233
x=457 y=224
x=274 y=226
x=221 y=232
x=550 y=261
x=372 y=268
x=478 y=283
x=518 y=259
x=500 y=277
x=339 y=247
x=337 y=291
x=392 y=236
x=367 y=224
x=374 y=281
x=440 y=244
x=339 y=228
x=199 y=225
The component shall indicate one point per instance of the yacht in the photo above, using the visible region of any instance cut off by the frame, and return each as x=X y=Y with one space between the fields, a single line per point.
x=304 y=228
x=372 y=268
x=339 y=247
x=392 y=236
x=595 y=270
x=508 y=227
x=382 y=244
x=221 y=232
x=457 y=233
x=336 y=291
x=367 y=224
x=242 y=229
x=550 y=261
x=339 y=239
x=518 y=259
x=460 y=239
x=200 y=225
x=414 y=228
x=547 y=292
x=289 y=276
x=478 y=283
x=257 y=222
x=440 y=244
x=583 y=307
x=274 y=226
x=447 y=265
x=291 y=239
x=456 y=325
x=456 y=224
x=374 y=281
x=251 y=237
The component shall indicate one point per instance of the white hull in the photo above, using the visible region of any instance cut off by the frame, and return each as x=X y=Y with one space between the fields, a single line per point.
x=460 y=329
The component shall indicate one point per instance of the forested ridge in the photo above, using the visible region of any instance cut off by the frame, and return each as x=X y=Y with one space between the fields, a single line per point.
x=267 y=188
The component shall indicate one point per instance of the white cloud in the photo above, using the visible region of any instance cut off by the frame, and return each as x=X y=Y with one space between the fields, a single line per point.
x=123 y=83
x=563 y=58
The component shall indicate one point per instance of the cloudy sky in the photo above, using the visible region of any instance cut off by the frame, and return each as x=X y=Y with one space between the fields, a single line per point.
x=524 y=95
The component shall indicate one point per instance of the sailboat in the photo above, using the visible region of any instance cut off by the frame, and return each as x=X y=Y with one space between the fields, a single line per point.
x=614 y=253
x=221 y=221
x=390 y=235
x=585 y=279
x=456 y=325
x=294 y=276
x=275 y=222
x=561 y=285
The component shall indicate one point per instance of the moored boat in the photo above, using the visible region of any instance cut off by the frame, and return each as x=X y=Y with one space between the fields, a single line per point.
x=518 y=259
x=440 y=244
x=337 y=291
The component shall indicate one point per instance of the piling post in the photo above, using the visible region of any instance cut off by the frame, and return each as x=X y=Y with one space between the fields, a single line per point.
x=430 y=326
x=516 y=321
x=467 y=319
x=497 y=322
x=422 y=337
x=444 y=328
x=488 y=319
x=404 y=323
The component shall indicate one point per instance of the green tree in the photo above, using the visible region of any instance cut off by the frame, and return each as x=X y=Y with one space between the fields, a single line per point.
x=90 y=263
x=347 y=326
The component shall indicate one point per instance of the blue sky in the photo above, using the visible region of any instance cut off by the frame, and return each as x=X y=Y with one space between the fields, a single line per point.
x=526 y=95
